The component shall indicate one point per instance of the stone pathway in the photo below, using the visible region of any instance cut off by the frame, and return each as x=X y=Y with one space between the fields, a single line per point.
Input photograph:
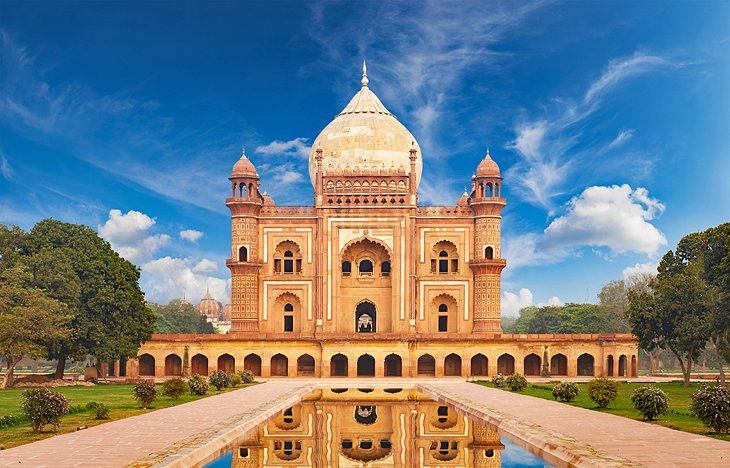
x=594 y=438
x=145 y=437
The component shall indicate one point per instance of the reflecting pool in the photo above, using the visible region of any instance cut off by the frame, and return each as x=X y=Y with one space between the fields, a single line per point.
x=373 y=427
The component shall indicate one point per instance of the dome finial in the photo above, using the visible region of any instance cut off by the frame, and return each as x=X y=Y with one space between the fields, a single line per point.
x=364 y=80
x=243 y=152
x=488 y=152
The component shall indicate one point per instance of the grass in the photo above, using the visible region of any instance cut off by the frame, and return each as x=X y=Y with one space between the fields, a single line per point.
x=678 y=416
x=119 y=399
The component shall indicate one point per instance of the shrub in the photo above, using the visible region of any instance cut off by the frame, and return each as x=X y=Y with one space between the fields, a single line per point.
x=219 y=380
x=234 y=380
x=712 y=405
x=174 y=388
x=246 y=376
x=197 y=385
x=498 y=380
x=101 y=411
x=515 y=382
x=650 y=401
x=565 y=391
x=91 y=406
x=43 y=406
x=603 y=391
x=11 y=420
x=145 y=393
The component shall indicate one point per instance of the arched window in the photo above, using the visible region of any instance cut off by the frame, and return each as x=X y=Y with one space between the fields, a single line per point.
x=288 y=262
x=346 y=268
x=287 y=258
x=243 y=254
x=445 y=258
x=443 y=262
x=489 y=253
x=385 y=268
x=366 y=268
x=288 y=318
x=443 y=318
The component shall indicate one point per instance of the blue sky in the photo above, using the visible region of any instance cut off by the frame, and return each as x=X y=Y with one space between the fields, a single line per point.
x=610 y=122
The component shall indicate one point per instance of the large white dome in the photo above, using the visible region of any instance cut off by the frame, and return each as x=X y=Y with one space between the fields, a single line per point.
x=365 y=135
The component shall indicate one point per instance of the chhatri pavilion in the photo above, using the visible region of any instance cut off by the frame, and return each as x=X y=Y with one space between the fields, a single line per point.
x=365 y=282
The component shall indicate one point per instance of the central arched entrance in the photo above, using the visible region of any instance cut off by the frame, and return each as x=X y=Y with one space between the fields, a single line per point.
x=365 y=317
x=366 y=366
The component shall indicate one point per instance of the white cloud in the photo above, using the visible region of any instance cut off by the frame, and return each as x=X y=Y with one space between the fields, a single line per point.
x=169 y=278
x=554 y=301
x=512 y=303
x=296 y=147
x=622 y=137
x=547 y=144
x=616 y=217
x=129 y=235
x=529 y=139
x=191 y=235
x=620 y=69
x=5 y=167
x=281 y=176
x=523 y=250
x=639 y=270
x=205 y=266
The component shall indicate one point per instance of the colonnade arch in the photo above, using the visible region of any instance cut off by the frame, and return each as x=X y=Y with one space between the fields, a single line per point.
x=199 y=365
x=559 y=364
x=146 y=365
x=226 y=363
x=532 y=364
x=252 y=362
x=479 y=365
x=290 y=363
x=393 y=366
x=173 y=365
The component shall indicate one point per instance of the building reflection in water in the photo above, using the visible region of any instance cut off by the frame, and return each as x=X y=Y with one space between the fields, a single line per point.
x=372 y=428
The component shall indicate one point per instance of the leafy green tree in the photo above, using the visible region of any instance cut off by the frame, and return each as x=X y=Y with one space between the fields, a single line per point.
x=677 y=313
x=110 y=319
x=614 y=301
x=29 y=319
x=180 y=317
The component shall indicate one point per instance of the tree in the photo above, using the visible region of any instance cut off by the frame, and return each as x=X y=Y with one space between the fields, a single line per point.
x=29 y=319
x=614 y=301
x=180 y=317
x=110 y=319
x=677 y=312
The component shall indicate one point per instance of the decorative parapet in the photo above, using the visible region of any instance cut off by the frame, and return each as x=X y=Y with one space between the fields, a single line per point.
x=445 y=211
x=288 y=210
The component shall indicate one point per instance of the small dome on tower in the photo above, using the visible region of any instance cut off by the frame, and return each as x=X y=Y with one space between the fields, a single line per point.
x=487 y=168
x=244 y=167
x=268 y=201
x=464 y=199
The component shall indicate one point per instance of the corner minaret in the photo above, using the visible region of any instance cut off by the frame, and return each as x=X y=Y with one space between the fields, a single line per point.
x=245 y=204
x=487 y=203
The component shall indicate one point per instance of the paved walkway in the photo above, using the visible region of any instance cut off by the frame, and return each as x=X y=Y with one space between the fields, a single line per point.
x=123 y=442
x=591 y=435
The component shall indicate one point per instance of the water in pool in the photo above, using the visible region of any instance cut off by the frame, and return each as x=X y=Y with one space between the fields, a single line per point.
x=348 y=427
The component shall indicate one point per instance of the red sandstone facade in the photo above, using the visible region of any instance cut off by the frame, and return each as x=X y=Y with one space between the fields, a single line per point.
x=366 y=282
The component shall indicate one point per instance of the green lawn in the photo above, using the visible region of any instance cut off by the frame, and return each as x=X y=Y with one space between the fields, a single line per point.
x=118 y=398
x=678 y=416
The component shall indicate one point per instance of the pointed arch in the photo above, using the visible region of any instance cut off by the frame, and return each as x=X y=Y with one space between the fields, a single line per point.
x=252 y=362
x=479 y=365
